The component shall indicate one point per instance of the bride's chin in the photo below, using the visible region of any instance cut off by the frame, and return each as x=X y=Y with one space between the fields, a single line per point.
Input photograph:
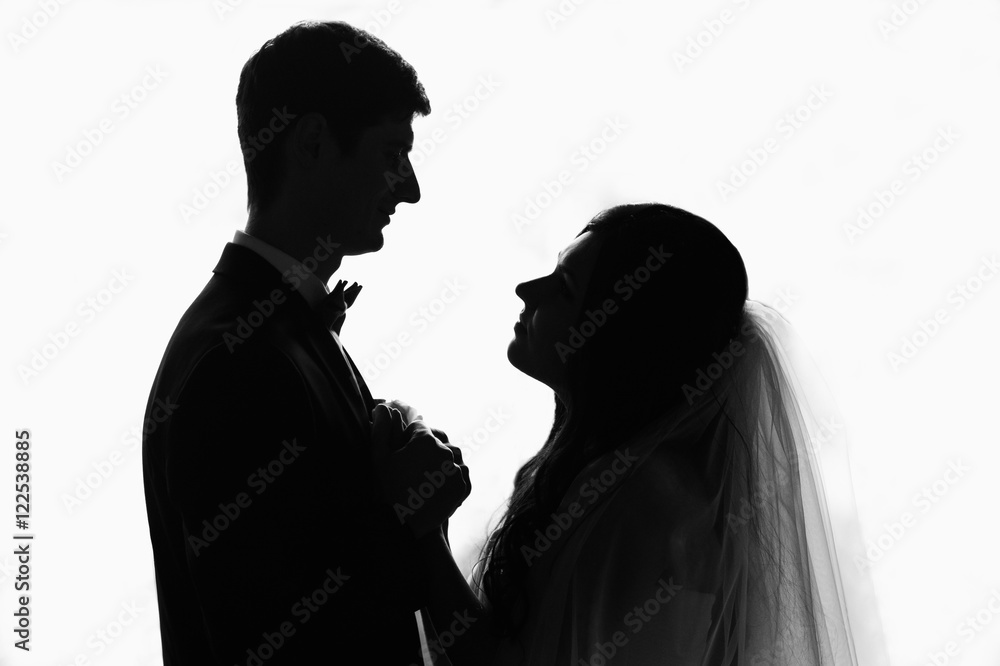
x=516 y=357
x=513 y=353
x=522 y=362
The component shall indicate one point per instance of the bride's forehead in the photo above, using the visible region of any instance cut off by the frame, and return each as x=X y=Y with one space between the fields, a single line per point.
x=580 y=246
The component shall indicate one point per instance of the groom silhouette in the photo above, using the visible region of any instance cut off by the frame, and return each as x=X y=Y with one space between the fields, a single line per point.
x=273 y=533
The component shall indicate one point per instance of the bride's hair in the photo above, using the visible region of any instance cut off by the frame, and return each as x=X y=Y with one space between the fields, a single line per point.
x=631 y=368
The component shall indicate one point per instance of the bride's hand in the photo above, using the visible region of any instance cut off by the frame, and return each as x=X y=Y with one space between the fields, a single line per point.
x=409 y=413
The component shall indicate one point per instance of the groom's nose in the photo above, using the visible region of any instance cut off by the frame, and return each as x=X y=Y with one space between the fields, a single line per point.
x=408 y=191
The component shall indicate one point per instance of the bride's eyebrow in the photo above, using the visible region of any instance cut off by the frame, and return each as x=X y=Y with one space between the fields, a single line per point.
x=568 y=274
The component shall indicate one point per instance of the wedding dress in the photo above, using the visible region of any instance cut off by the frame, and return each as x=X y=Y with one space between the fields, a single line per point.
x=722 y=536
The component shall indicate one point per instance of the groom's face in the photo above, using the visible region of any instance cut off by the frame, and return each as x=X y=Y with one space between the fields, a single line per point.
x=359 y=190
x=552 y=306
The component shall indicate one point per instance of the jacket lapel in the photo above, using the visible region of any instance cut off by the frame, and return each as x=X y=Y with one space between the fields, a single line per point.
x=365 y=393
x=306 y=340
x=333 y=362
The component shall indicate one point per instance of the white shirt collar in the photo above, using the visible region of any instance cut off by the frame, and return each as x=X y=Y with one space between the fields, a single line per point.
x=311 y=287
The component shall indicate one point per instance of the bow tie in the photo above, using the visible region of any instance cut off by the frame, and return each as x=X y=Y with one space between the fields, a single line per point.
x=333 y=308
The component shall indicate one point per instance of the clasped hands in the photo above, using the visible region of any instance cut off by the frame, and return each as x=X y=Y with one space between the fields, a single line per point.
x=423 y=477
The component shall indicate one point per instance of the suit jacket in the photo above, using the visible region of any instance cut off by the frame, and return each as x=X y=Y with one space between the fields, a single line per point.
x=271 y=543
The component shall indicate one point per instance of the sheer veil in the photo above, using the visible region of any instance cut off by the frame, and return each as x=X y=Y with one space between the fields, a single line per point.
x=725 y=538
x=787 y=590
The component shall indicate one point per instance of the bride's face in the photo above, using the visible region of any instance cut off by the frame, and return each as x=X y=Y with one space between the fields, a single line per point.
x=552 y=306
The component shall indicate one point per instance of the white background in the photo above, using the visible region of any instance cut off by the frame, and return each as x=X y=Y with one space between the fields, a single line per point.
x=894 y=78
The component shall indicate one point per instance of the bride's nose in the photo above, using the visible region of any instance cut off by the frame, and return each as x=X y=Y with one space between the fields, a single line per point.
x=525 y=290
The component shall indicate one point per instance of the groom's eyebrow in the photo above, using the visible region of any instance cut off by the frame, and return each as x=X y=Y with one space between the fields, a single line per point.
x=402 y=139
x=400 y=143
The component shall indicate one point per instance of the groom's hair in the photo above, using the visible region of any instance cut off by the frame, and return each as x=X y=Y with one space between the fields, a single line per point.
x=348 y=75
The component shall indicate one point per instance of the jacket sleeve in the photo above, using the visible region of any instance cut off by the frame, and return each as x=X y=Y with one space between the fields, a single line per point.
x=287 y=543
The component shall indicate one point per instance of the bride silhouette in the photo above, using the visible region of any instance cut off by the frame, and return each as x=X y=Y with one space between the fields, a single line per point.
x=676 y=513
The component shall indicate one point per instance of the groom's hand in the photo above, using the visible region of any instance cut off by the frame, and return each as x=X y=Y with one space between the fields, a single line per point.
x=423 y=479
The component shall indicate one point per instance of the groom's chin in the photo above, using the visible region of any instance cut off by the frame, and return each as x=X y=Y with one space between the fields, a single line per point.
x=371 y=243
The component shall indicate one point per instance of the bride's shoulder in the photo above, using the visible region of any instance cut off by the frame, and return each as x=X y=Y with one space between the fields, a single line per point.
x=661 y=495
x=660 y=481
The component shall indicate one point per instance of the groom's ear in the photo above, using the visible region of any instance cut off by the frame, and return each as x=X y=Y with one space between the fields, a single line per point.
x=307 y=138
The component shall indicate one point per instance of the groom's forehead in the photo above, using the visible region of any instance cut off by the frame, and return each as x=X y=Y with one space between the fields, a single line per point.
x=392 y=131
